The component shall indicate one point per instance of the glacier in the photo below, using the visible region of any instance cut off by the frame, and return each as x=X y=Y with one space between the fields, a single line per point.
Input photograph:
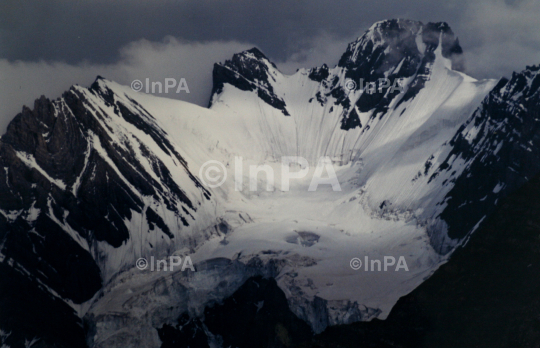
x=375 y=163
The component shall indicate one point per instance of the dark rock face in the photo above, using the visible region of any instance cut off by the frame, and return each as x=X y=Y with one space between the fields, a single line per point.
x=389 y=42
x=67 y=183
x=249 y=71
x=389 y=50
x=37 y=243
x=485 y=296
x=379 y=52
x=499 y=146
x=350 y=121
x=59 y=144
x=187 y=333
x=256 y=315
x=29 y=312
x=319 y=74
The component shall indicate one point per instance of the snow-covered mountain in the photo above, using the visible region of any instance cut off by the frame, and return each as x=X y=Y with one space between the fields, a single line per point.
x=103 y=176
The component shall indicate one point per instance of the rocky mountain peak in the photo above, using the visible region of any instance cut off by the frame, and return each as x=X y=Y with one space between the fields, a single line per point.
x=386 y=43
x=249 y=71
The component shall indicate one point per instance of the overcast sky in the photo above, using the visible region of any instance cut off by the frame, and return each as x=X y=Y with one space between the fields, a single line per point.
x=48 y=45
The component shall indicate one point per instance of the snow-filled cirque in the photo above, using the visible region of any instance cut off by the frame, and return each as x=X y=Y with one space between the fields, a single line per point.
x=118 y=175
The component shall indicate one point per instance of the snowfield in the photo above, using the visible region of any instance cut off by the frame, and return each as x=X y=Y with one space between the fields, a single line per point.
x=306 y=240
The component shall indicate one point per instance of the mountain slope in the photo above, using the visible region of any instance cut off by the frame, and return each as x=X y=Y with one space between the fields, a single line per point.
x=498 y=147
x=89 y=183
x=485 y=296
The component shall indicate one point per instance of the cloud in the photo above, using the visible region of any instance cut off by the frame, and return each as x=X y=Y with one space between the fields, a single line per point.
x=322 y=49
x=94 y=30
x=500 y=37
x=23 y=82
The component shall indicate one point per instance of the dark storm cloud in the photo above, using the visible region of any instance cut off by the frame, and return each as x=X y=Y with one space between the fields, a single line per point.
x=47 y=45
x=73 y=31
